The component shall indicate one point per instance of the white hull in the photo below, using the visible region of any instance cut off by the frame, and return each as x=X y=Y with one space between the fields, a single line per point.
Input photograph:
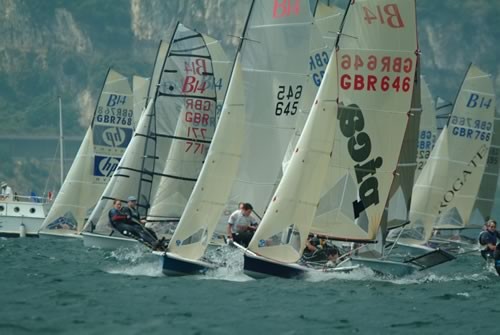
x=60 y=233
x=385 y=267
x=409 y=250
x=175 y=265
x=92 y=240
x=15 y=213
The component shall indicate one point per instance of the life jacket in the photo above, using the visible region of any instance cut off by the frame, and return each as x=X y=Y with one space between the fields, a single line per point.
x=480 y=238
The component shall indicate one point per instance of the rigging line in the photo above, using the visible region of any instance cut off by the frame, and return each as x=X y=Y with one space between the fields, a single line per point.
x=174 y=177
x=172 y=54
x=161 y=94
x=183 y=138
x=190 y=49
x=185 y=37
x=242 y=38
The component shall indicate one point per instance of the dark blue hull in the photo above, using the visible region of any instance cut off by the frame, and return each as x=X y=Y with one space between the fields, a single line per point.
x=177 y=266
x=259 y=267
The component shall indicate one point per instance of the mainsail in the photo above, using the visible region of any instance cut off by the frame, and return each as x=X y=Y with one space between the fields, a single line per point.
x=140 y=87
x=376 y=63
x=174 y=132
x=446 y=189
x=486 y=195
x=102 y=147
x=256 y=124
x=328 y=20
x=398 y=206
x=427 y=132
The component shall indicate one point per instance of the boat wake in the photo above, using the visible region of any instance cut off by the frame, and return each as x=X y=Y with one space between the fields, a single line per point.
x=366 y=274
x=232 y=268
x=134 y=262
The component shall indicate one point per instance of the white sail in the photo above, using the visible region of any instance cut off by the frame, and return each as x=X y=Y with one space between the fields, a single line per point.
x=284 y=228
x=140 y=86
x=256 y=124
x=486 y=194
x=222 y=70
x=428 y=132
x=98 y=156
x=446 y=189
x=174 y=132
x=210 y=193
x=275 y=73
x=328 y=20
x=398 y=206
x=376 y=67
x=192 y=134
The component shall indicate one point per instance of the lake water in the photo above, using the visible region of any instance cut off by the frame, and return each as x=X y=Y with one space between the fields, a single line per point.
x=59 y=287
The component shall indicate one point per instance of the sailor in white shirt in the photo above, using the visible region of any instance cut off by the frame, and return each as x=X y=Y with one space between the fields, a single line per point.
x=241 y=225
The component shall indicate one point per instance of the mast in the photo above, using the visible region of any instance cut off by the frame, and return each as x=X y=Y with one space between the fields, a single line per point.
x=61 y=141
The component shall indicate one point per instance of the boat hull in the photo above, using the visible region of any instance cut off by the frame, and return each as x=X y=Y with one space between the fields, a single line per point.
x=14 y=214
x=409 y=250
x=92 y=240
x=385 y=267
x=175 y=265
x=259 y=267
x=60 y=234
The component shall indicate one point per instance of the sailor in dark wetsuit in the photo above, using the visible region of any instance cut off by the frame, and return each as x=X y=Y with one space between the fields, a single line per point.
x=127 y=221
x=488 y=239
x=496 y=256
x=315 y=251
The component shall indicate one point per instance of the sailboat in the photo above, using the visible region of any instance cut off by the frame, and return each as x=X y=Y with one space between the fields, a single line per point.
x=98 y=156
x=171 y=140
x=339 y=178
x=445 y=191
x=257 y=122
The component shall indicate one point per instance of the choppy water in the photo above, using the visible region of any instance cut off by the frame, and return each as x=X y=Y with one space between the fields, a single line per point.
x=60 y=287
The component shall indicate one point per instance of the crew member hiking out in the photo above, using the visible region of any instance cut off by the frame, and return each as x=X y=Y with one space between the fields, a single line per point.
x=241 y=225
x=127 y=222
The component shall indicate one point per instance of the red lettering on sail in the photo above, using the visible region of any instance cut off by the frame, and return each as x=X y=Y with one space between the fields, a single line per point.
x=284 y=8
x=388 y=14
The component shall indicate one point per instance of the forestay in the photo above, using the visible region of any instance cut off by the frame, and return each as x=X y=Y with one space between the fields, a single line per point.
x=101 y=149
x=445 y=191
x=256 y=124
x=376 y=63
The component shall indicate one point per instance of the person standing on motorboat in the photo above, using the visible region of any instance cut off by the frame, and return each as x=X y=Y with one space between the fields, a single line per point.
x=241 y=225
x=127 y=221
x=488 y=239
x=6 y=192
